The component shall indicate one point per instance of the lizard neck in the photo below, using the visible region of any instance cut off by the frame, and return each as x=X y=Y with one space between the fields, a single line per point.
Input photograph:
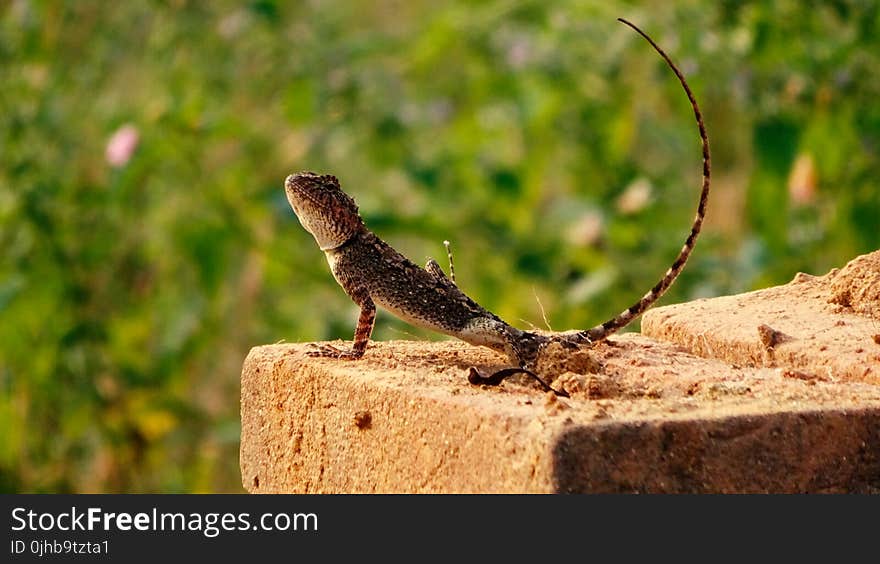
x=355 y=236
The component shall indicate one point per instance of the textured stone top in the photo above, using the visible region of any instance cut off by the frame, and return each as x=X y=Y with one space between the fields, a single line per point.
x=771 y=391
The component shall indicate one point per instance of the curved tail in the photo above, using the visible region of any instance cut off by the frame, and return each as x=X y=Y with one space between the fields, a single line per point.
x=621 y=320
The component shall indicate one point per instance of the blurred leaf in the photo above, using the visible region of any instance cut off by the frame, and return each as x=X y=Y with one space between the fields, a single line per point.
x=300 y=101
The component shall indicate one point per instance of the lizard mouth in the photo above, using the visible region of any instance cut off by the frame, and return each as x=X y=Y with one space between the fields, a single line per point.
x=302 y=187
x=323 y=209
x=299 y=179
x=309 y=183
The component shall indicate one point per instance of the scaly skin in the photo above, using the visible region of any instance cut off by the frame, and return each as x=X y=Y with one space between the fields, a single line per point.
x=372 y=273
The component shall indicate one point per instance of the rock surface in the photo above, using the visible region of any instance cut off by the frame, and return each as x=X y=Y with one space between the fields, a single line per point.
x=771 y=391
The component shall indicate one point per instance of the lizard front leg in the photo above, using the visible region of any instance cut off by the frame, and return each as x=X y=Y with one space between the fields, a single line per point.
x=366 y=321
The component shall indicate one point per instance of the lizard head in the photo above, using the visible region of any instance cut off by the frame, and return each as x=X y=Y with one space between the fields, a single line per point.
x=323 y=209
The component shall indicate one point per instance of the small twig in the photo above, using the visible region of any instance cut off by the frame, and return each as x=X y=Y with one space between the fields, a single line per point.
x=543 y=313
x=448 y=246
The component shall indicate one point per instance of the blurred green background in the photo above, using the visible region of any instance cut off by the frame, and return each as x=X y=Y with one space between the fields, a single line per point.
x=147 y=243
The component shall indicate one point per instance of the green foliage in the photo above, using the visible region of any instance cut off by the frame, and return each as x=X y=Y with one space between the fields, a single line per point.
x=130 y=294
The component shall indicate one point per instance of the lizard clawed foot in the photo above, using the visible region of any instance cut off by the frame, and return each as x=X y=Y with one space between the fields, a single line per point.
x=329 y=351
x=475 y=378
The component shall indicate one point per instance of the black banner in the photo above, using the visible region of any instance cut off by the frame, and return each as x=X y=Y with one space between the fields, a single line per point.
x=133 y=528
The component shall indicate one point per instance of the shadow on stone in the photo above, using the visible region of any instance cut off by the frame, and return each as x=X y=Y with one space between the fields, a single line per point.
x=807 y=452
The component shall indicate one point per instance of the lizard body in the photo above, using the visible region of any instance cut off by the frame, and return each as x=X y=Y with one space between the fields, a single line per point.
x=373 y=273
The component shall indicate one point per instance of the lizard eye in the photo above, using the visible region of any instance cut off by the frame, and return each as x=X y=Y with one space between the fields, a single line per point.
x=323 y=209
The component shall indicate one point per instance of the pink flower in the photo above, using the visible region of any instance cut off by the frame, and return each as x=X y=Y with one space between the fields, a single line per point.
x=121 y=145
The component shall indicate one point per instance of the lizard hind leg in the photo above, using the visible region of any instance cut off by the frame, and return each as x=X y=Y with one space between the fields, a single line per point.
x=433 y=268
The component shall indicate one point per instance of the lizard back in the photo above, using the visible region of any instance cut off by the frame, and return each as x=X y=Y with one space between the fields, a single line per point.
x=402 y=287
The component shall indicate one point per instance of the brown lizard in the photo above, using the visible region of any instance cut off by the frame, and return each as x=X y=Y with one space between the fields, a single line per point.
x=372 y=273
